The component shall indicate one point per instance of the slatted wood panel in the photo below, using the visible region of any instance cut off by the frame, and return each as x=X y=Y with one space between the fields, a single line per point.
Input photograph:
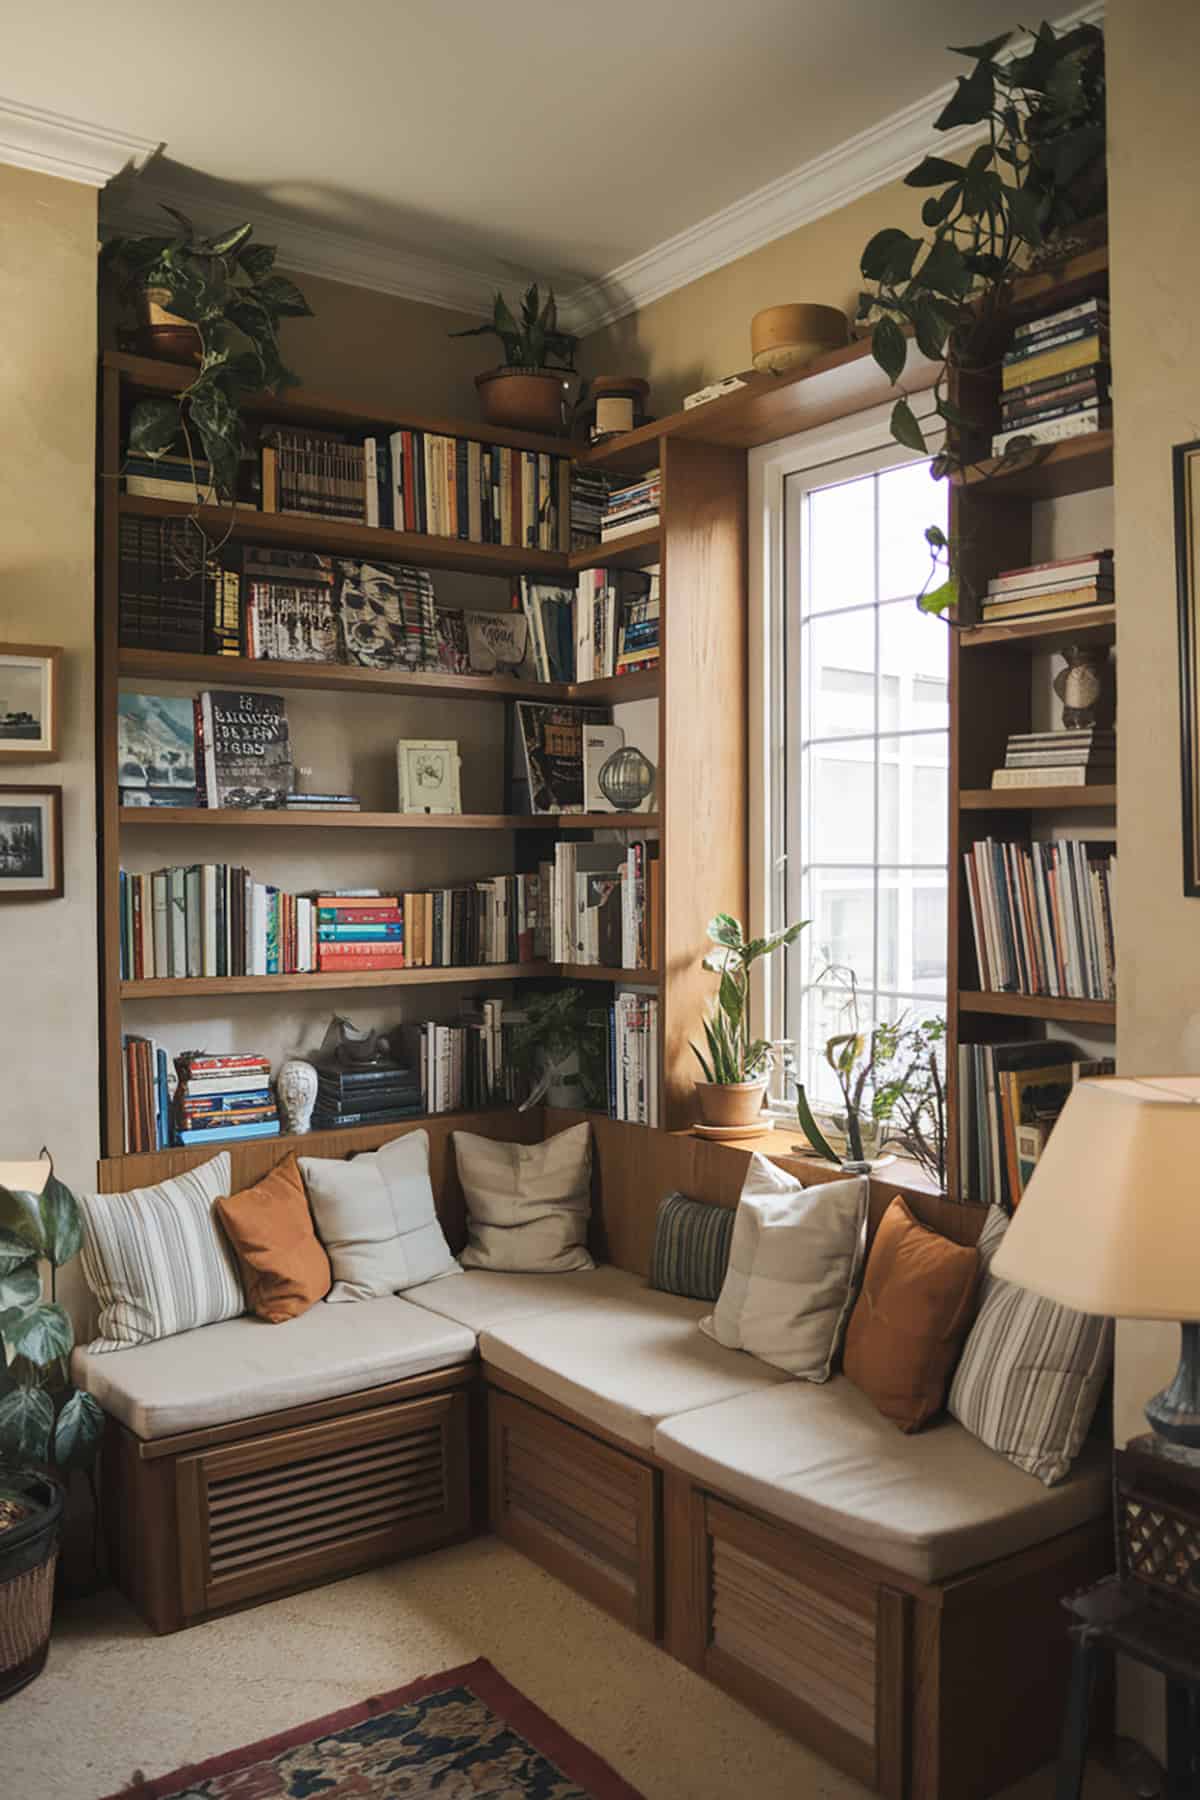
x=300 y=1505
x=583 y=1510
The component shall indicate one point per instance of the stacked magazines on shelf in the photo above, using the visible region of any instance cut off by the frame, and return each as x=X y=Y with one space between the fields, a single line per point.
x=1084 y=757
x=1009 y=1096
x=224 y=1098
x=589 y=495
x=1044 y=590
x=633 y=1057
x=1054 y=380
x=1042 y=915
x=600 y=905
x=633 y=507
x=376 y=1094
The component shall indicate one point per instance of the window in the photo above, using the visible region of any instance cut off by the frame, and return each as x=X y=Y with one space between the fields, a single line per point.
x=854 y=719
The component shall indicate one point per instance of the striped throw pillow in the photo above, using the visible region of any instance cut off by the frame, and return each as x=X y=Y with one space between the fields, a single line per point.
x=156 y=1259
x=691 y=1247
x=1031 y=1372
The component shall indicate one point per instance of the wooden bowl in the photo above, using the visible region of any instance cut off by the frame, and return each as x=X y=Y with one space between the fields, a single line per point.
x=788 y=337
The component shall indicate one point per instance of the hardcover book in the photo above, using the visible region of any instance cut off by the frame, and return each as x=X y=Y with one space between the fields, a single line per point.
x=247 y=752
x=156 y=749
x=388 y=616
x=551 y=747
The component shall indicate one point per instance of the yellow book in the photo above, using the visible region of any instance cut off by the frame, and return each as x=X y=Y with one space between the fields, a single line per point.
x=1053 y=362
x=1063 y=600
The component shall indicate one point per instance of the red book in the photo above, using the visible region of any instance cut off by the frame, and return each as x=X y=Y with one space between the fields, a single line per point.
x=211 y=1065
x=332 y=960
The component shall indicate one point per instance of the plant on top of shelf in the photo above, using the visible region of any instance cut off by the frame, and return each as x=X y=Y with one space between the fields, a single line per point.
x=737 y=1065
x=528 y=391
x=216 y=301
x=1038 y=175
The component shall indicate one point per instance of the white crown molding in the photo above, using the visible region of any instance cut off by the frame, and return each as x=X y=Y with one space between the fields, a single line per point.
x=824 y=185
x=72 y=149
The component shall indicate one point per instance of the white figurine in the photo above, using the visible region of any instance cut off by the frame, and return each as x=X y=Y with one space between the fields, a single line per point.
x=296 y=1086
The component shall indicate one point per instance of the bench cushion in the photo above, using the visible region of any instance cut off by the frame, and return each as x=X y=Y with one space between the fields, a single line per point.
x=633 y=1358
x=489 y=1297
x=244 y=1367
x=929 y=1505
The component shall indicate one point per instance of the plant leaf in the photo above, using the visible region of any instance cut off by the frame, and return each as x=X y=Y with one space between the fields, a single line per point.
x=940 y=599
x=13 y=1251
x=708 y=1074
x=187 y=231
x=944 y=270
x=20 y=1288
x=26 y=1422
x=889 y=256
x=971 y=102
x=810 y=1128
x=78 y=1431
x=933 y=171
x=980 y=52
x=21 y=1218
x=905 y=428
x=153 y=427
x=42 y=1335
x=725 y=929
x=62 y=1227
x=889 y=347
x=283 y=297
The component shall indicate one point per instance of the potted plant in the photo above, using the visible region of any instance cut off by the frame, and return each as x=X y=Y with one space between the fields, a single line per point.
x=736 y=1066
x=560 y=1049
x=527 y=393
x=216 y=302
x=47 y=1426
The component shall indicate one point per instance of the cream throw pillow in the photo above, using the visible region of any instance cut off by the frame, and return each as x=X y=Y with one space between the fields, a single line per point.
x=794 y=1265
x=376 y=1218
x=527 y=1204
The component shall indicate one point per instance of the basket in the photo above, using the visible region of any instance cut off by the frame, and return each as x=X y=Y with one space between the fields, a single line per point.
x=28 y=1556
x=1156 y=1491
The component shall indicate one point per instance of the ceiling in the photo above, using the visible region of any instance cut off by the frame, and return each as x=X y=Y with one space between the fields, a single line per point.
x=527 y=136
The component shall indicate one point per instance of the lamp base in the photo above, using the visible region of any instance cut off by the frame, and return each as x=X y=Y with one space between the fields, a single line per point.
x=1175 y=1413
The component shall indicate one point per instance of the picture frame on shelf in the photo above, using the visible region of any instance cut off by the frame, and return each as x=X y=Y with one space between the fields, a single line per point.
x=428 y=775
x=1185 y=465
x=31 y=843
x=29 y=702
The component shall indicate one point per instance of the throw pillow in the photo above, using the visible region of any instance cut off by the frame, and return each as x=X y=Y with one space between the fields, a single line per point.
x=284 y=1267
x=156 y=1260
x=793 y=1266
x=911 y=1318
x=527 y=1204
x=691 y=1247
x=1031 y=1372
x=376 y=1218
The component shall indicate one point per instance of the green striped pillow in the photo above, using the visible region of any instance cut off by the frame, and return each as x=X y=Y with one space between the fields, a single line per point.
x=691 y=1247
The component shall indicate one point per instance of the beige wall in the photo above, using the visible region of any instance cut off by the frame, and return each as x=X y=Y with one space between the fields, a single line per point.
x=702 y=331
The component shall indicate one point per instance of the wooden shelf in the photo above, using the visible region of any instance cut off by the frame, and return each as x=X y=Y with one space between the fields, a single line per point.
x=593 y=972
x=1035 y=799
x=643 y=684
x=632 y=552
x=1040 y=1006
x=221 y=817
x=194 y=986
x=1047 y=472
x=1090 y=625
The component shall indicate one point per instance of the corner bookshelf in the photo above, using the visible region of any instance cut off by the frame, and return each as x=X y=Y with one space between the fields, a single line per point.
x=995 y=513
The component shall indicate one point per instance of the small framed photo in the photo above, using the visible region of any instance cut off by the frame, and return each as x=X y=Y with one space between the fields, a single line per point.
x=29 y=702
x=31 y=851
x=428 y=772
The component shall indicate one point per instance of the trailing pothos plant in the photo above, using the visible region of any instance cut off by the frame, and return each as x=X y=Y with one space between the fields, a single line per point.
x=228 y=288
x=533 y=340
x=43 y=1418
x=733 y=1055
x=560 y=1039
x=1039 y=169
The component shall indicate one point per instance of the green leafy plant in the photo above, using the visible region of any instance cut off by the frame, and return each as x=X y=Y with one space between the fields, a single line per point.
x=733 y=1055
x=562 y=1026
x=228 y=288
x=533 y=341
x=43 y=1418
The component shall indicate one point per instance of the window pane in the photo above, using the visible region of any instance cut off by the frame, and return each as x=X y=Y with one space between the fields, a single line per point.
x=838 y=654
x=840 y=803
x=841 y=546
x=913 y=655
x=913 y=798
x=909 y=501
x=912 y=931
x=841 y=910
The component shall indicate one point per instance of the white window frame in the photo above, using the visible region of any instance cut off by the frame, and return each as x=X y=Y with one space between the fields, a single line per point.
x=842 y=451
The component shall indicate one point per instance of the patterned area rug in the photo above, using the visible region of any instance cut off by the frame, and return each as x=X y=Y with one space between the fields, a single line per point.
x=462 y=1735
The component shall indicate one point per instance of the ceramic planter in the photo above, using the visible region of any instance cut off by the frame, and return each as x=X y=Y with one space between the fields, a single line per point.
x=31 y=1509
x=730 y=1102
x=523 y=399
x=165 y=334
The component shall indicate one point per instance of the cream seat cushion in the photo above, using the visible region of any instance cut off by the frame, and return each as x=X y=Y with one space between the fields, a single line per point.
x=489 y=1297
x=246 y=1367
x=626 y=1361
x=929 y=1505
x=527 y=1204
x=376 y=1217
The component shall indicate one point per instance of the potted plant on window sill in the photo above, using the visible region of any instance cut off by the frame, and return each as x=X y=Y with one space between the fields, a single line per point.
x=736 y=1066
x=527 y=392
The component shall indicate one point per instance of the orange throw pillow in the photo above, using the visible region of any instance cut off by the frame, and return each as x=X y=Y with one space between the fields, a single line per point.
x=284 y=1266
x=909 y=1322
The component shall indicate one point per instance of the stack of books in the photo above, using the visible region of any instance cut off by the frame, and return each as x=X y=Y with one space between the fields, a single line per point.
x=375 y=1094
x=615 y=622
x=171 y=477
x=1080 y=758
x=1054 y=382
x=224 y=1097
x=599 y=905
x=1043 y=917
x=469 y=1063
x=148 y=1090
x=633 y=1057
x=339 y=803
x=589 y=496
x=357 y=933
x=1043 y=590
x=1009 y=1096
x=633 y=507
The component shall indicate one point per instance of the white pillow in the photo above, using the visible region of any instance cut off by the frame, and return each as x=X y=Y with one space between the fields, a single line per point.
x=527 y=1204
x=794 y=1264
x=376 y=1218
x=157 y=1260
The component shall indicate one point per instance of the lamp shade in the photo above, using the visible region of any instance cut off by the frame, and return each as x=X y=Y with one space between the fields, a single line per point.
x=26 y=1177
x=1110 y=1220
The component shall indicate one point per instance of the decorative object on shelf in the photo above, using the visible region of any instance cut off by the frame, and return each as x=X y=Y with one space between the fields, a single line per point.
x=1080 y=685
x=1185 y=462
x=218 y=302
x=717 y=390
x=296 y=1090
x=29 y=681
x=528 y=392
x=31 y=843
x=560 y=1046
x=428 y=772
x=791 y=337
x=737 y=1065
x=497 y=642
x=347 y=1046
x=626 y=780
x=614 y=404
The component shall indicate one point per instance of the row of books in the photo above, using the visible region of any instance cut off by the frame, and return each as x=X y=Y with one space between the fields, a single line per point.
x=1009 y=1096
x=212 y=920
x=616 y=622
x=600 y=904
x=1072 y=758
x=1043 y=590
x=590 y=489
x=469 y=1063
x=1043 y=917
x=1054 y=379
x=633 y=1058
x=632 y=507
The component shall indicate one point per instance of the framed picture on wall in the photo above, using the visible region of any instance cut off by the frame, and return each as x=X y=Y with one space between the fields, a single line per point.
x=31 y=847
x=1186 y=468
x=29 y=702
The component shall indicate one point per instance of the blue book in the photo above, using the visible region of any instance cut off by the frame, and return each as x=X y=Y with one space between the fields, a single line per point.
x=162 y=1118
x=228 y=1133
x=364 y=932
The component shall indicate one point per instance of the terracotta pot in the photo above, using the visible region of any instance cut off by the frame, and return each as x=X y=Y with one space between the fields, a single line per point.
x=730 y=1102
x=164 y=334
x=788 y=337
x=523 y=399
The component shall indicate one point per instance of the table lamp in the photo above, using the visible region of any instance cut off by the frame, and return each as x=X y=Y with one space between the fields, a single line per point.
x=1110 y=1221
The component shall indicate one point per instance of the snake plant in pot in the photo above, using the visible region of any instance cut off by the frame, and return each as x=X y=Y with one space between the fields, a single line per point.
x=528 y=392
x=736 y=1065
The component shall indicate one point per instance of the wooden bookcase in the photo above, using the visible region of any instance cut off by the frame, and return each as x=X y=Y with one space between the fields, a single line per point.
x=992 y=691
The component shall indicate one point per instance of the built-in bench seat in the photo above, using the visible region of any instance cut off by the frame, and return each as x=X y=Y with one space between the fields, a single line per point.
x=483 y=1299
